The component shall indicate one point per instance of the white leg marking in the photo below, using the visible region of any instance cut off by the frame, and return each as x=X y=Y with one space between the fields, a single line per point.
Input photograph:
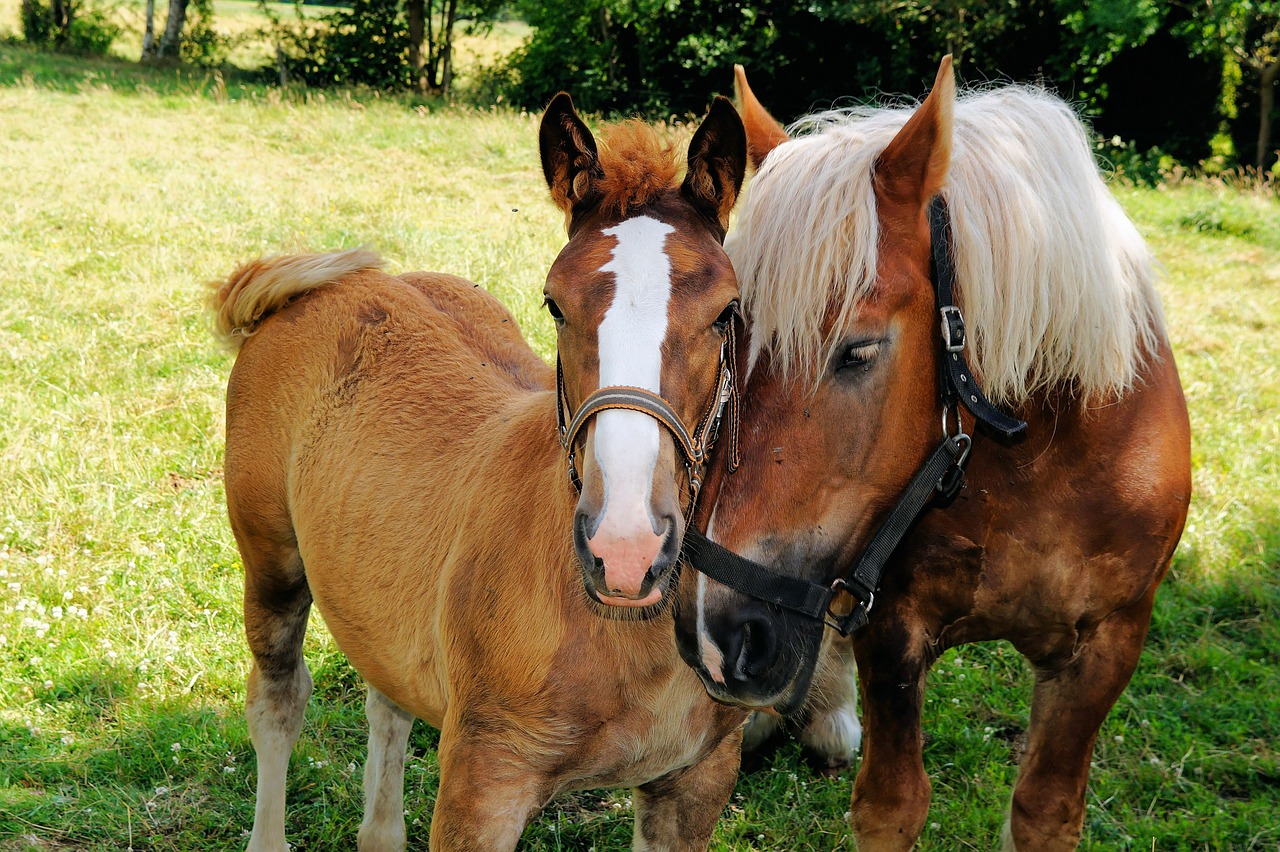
x=389 y=726
x=275 y=720
x=835 y=734
x=834 y=731
x=759 y=727
x=630 y=344
x=1006 y=834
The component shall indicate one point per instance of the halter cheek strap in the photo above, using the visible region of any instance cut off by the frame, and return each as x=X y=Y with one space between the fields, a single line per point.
x=694 y=446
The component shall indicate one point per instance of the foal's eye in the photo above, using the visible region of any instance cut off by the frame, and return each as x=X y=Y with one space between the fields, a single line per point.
x=857 y=356
x=553 y=309
x=725 y=319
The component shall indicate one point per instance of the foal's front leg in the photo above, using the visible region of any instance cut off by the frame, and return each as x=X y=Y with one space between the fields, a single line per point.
x=485 y=798
x=677 y=813
x=389 y=727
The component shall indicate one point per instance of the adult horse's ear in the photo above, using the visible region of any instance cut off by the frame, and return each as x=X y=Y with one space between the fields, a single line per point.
x=570 y=160
x=764 y=133
x=717 y=162
x=913 y=166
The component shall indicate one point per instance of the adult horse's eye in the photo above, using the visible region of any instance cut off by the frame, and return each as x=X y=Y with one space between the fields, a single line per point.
x=857 y=356
x=553 y=309
x=726 y=317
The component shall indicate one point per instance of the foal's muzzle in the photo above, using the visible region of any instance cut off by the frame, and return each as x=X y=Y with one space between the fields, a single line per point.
x=628 y=573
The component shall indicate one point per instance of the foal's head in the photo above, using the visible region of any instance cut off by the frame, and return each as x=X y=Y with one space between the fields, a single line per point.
x=644 y=301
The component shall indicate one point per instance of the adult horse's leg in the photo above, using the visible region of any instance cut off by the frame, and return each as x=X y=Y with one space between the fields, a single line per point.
x=678 y=812
x=1071 y=701
x=389 y=727
x=276 y=604
x=891 y=793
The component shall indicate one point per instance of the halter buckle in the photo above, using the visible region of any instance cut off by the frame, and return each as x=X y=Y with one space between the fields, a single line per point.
x=846 y=624
x=953 y=335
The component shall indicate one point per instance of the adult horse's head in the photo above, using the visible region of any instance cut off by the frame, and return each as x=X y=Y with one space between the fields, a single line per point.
x=840 y=393
x=645 y=302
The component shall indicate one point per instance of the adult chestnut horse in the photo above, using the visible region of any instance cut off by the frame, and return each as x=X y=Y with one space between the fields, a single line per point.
x=393 y=452
x=1056 y=543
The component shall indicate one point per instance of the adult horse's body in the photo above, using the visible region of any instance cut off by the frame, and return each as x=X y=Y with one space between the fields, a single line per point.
x=1056 y=543
x=393 y=454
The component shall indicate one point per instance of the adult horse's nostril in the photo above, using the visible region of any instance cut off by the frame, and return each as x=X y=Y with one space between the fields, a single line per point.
x=757 y=652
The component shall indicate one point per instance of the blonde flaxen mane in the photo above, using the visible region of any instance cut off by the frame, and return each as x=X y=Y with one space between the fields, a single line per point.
x=1056 y=284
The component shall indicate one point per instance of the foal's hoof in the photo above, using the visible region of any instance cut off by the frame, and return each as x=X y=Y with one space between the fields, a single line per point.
x=824 y=764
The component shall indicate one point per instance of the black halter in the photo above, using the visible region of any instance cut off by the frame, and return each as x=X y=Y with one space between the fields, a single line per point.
x=936 y=483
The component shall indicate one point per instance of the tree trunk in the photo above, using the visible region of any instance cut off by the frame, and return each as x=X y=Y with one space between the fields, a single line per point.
x=433 y=57
x=1269 y=74
x=149 y=37
x=446 y=48
x=62 y=12
x=416 y=9
x=169 y=43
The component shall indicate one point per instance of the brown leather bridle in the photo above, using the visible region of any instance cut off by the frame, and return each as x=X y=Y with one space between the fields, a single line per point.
x=694 y=444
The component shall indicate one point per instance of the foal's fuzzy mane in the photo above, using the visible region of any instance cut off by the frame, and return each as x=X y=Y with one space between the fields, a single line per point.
x=1056 y=285
x=639 y=164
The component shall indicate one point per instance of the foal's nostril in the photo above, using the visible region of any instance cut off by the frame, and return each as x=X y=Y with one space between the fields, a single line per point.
x=758 y=652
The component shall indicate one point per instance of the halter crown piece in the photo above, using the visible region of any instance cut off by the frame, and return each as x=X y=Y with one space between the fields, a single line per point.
x=694 y=444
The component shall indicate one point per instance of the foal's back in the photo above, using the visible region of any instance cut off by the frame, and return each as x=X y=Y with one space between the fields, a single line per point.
x=328 y=418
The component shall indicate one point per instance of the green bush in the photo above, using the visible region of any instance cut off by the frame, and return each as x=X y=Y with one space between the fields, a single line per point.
x=366 y=45
x=69 y=26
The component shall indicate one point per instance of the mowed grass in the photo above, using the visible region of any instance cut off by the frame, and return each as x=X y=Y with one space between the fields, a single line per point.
x=121 y=658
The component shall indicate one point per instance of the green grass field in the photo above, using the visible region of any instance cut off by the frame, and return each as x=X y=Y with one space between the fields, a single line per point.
x=121 y=659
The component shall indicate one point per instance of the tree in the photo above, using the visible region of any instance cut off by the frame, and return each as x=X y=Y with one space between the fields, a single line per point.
x=1249 y=33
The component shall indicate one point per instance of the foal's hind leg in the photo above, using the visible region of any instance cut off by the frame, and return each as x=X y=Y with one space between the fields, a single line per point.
x=832 y=734
x=1070 y=703
x=389 y=726
x=678 y=813
x=276 y=604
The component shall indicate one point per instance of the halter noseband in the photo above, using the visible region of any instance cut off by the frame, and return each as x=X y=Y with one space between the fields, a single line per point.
x=694 y=445
x=937 y=482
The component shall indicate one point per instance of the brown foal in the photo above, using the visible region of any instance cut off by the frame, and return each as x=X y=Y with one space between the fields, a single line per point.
x=393 y=455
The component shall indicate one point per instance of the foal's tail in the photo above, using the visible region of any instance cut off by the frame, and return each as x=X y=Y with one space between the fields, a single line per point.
x=263 y=286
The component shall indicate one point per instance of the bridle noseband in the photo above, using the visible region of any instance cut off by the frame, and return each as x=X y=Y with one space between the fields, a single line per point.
x=694 y=444
x=936 y=483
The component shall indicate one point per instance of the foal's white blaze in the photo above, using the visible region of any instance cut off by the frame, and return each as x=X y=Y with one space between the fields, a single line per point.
x=628 y=537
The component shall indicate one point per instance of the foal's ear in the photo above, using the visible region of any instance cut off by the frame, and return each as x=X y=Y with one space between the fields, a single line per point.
x=764 y=133
x=570 y=161
x=913 y=167
x=717 y=162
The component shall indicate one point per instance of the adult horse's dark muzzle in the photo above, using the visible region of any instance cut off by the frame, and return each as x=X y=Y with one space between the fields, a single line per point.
x=747 y=652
